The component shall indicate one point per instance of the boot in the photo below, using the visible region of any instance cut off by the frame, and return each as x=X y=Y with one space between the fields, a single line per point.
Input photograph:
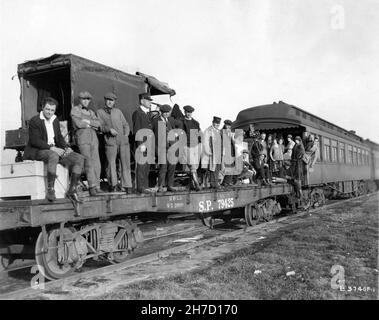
x=92 y=191
x=72 y=193
x=195 y=181
x=50 y=195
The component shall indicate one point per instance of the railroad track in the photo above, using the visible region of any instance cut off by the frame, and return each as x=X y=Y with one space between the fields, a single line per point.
x=207 y=236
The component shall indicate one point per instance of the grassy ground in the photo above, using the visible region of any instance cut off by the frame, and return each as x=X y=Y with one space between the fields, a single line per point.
x=347 y=236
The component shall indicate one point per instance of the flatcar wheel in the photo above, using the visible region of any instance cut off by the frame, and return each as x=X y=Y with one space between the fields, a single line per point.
x=207 y=220
x=317 y=198
x=250 y=215
x=121 y=256
x=47 y=262
x=362 y=188
x=5 y=261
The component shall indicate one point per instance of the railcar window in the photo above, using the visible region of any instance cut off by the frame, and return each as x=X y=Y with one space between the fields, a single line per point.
x=327 y=149
x=355 y=155
x=318 y=153
x=334 y=151
x=359 y=156
x=350 y=154
x=342 y=152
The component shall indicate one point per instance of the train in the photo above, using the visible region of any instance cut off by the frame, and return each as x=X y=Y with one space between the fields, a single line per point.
x=61 y=236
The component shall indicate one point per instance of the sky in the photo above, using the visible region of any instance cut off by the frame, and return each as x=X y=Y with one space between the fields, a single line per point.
x=220 y=56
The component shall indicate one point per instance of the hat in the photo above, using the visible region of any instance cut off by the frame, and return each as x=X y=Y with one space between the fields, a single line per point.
x=165 y=108
x=145 y=96
x=110 y=96
x=298 y=138
x=228 y=122
x=216 y=120
x=84 y=95
x=188 y=109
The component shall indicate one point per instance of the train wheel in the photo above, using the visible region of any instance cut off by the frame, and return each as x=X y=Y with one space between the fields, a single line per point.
x=121 y=256
x=47 y=262
x=5 y=261
x=207 y=220
x=317 y=198
x=251 y=215
x=362 y=188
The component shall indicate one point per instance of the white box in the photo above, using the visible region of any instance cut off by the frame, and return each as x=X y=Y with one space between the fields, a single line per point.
x=29 y=178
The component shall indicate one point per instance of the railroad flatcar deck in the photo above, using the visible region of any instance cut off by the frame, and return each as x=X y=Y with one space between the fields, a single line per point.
x=34 y=213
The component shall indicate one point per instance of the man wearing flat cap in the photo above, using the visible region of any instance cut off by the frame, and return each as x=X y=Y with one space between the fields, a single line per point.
x=161 y=127
x=85 y=124
x=142 y=120
x=211 y=153
x=193 y=149
x=116 y=136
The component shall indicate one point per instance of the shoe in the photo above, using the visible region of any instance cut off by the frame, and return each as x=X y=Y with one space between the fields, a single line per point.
x=73 y=196
x=144 y=191
x=50 y=195
x=171 y=189
x=127 y=190
x=112 y=189
x=92 y=192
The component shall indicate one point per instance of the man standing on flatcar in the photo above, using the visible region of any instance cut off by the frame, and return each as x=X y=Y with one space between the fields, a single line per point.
x=47 y=144
x=86 y=124
x=212 y=152
x=116 y=135
x=161 y=127
x=192 y=151
x=141 y=120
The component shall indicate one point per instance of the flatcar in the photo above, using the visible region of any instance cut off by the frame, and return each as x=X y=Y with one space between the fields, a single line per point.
x=346 y=163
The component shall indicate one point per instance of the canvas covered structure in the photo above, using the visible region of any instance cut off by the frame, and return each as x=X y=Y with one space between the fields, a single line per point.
x=63 y=76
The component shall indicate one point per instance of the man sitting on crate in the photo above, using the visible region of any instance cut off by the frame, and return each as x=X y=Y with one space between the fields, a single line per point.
x=47 y=144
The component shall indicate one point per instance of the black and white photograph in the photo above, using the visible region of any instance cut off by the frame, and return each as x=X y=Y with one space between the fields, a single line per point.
x=187 y=157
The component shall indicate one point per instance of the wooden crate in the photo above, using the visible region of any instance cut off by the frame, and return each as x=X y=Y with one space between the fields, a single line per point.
x=28 y=179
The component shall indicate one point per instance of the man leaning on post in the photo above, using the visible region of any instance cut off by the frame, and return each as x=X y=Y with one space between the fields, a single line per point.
x=47 y=144
x=116 y=135
x=85 y=124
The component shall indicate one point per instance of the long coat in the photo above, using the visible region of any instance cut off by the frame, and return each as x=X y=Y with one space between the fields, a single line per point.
x=169 y=125
x=212 y=149
x=297 y=161
x=141 y=120
x=38 y=137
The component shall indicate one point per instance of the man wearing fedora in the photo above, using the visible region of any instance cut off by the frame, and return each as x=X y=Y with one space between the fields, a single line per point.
x=86 y=124
x=161 y=127
x=116 y=136
x=142 y=120
x=211 y=154
x=192 y=151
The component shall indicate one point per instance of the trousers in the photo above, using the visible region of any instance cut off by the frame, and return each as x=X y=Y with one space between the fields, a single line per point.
x=123 y=150
x=92 y=165
x=73 y=161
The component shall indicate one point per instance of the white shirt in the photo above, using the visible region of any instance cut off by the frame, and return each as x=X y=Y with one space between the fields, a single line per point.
x=144 y=109
x=49 y=128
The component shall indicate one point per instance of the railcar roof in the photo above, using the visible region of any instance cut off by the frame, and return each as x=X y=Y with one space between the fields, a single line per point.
x=60 y=60
x=282 y=115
